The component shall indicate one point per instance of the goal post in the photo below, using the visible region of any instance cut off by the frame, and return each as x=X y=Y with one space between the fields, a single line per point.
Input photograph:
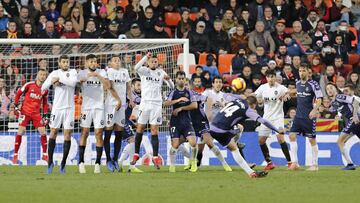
x=21 y=58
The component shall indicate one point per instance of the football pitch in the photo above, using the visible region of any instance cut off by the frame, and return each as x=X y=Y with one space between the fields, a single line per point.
x=209 y=184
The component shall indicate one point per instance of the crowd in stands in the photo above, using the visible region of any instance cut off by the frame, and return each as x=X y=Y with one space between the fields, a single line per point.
x=261 y=35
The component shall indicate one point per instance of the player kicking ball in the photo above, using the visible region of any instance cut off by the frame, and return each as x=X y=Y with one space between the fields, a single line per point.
x=182 y=101
x=34 y=97
x=226 y=125
x=115 y=104
x=150 y=109
x=348 y=106
x=273 y=95
x=63 y=82
x=94 y=83
x=308 y=92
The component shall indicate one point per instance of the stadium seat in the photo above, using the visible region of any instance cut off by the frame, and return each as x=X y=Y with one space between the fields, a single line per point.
x=328 y=3
x=168 y=31
x=180 y=59
x=138 y=57
x=225 y=63
x=202 y=58
x=355 y=41
x=348 y=68
x=353 y=59
x=193 y=16
x=192 y=68
x=123 y=3
x=172 y=18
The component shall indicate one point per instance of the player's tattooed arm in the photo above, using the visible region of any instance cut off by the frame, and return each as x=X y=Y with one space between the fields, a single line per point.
x=129 y=95
x=172 y=102
x=47 y=83
x=208 y=112
x=314 y=111
x=355 y=105
x=189 y=107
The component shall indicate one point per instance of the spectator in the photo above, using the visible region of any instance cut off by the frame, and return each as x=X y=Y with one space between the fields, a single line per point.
x=339 y=66
x=185 y=25
x=316 y=65
x=198 y=71
x=68 y=6
x=112 y=32
x=264 y=68
x=254 y=64
x=229 y=21
x=273 y=66
x=297 y=12
x=197 y=84
x=301 y=37
x=328 y=54
x=328 y=76
x=340 y=82
x=134 y=12
x=90 y=32
x=260 y=55
x=41 y=24
x=210 y=66
x=159 y=11
x=295 y=65
x=77 y=20
x=320 y=7
x=124 y=24
x=111 y=9
x=90 y=9
x=169 y=5
x=206 y=81
x=235 y=8
x=27 y=32
x=249 y=24
x=320 y=37
x=340 y=48
x=42 y=64
x=291 y=113
x=60 y=23
x=102 y=21
x=194 y=5
x=36 y=9
x=128 y=64
x=23 y=18
x=219 y=39
x=52 y=14
x=214 y=9
x=347 y=36
x=135 y=32
x=239 y=40
x=353 y=79
x=355 y=11
x=255 y=82
x=293 y=48
x=280 y=9
x=269 y=20
x=158 y=31
x=69 y=31
x=4 y=20
x=49 y=32
x=288 y=75
x=279 y=34
x=199 y=41
x=10 y=7
x=325 y=109
x=309 y=24
x=239 y=60
x=338 y=13
x=261 y=37
x=148 y=23
x=282 y=57
x=246 y=75
x=11 y=32
x=204 y=16
x=256 y=10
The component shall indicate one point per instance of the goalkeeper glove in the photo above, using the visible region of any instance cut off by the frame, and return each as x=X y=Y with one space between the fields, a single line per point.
x=45 y=119
x=17 y=111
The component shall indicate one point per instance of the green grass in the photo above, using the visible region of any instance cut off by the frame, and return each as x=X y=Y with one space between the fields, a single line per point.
x=210 y=184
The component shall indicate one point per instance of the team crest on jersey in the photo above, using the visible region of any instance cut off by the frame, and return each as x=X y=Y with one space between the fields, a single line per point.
x=123 y=121
x=67 y=74
x=72 y=124
x=186 y=95
x=306 y=89
x=276 y=92
x=158 y=119
x=102 y=122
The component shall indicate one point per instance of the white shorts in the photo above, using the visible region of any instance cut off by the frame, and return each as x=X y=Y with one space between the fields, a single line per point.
x=93 y=115
x=114 y=117
x=266 y=132
x=149 y=113
x=64 y=117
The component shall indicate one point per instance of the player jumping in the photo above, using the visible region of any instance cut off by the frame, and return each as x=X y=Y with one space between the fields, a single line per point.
x=34 y=97
x=63 y=81
x=308 y=92
x=273 y=94
x=150 y=110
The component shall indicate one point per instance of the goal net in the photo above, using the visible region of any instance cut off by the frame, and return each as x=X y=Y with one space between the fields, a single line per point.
x=20 y=60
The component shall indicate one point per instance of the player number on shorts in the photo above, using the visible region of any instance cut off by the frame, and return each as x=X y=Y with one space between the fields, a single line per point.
x=110 y=116
x=83 y=116
x=229 y=109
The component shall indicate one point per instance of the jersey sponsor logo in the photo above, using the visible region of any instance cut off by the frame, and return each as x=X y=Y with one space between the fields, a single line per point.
x=67 y=74
x=303 y=94
x=119 y=81
x=35 y=96
x=276 y=92
x=93 y=83
x=152 y=79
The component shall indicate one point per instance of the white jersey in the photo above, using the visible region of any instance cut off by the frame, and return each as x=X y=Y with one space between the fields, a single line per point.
x=64 y=93
x=92 y=90
x=273 y=106
x=215 y=97
x=119 y=79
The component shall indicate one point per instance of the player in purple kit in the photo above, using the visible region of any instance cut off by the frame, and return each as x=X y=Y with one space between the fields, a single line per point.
x=226 y=125
x=308 y=102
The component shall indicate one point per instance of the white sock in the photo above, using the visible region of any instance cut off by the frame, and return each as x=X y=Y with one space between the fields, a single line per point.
x=293 y=151
x=218 y=154
x=345 y=153
x=315 y=154
x=242 y=163
x=172 y=155
x=125 y=153
x=193 y=152
x=184 y=150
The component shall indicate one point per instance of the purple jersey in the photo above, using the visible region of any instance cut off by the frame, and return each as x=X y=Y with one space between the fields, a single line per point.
x=343 y=105
x=183 y=116
x=198 y=115
x=306 y=94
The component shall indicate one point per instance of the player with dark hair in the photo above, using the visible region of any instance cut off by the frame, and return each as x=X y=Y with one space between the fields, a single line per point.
x=63 y=81
x=308 y=102
x=226 y=125
x=34 y=99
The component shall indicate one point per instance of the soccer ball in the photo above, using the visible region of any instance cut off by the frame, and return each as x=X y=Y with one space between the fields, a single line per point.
x=238 y=84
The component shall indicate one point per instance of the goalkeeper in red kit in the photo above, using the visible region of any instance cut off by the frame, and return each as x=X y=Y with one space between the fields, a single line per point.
x=33 y=100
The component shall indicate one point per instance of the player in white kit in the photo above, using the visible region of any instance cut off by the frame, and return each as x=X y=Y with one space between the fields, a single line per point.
x=273 y=95
x=94 y=83
x=115 y=105
x=63 y=81
x=150 y=109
